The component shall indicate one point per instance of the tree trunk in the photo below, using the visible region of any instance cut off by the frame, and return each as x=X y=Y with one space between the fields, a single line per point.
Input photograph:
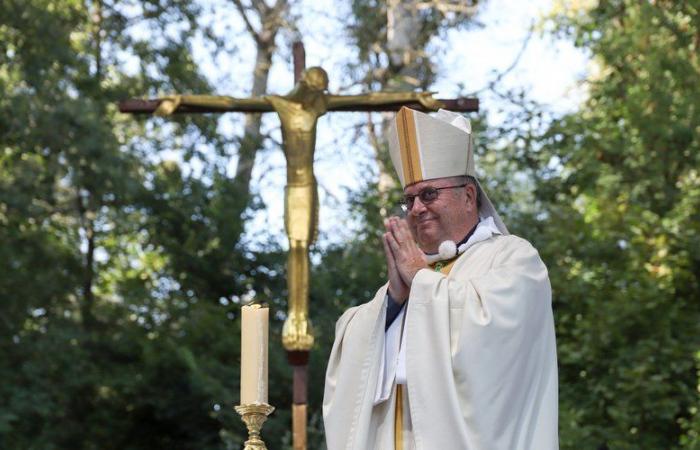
x=271 y=21
x=252 y=139
x=402 y=36
x=86 y=212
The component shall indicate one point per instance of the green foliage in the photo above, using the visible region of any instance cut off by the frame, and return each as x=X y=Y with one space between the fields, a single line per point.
x=620 y=194
x=118 y=273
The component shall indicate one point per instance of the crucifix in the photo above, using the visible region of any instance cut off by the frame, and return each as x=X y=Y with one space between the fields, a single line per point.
x=299 y=111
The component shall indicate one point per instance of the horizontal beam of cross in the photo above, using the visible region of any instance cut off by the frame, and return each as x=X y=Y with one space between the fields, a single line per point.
x=137 y=106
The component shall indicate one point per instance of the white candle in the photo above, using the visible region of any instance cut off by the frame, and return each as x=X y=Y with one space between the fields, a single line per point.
x=254 y=334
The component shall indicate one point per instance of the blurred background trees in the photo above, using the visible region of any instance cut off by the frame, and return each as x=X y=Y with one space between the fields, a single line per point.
x=122 y=269
x=620 y=228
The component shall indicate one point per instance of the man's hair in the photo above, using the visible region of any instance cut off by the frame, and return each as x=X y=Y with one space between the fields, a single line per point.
x=468 y=179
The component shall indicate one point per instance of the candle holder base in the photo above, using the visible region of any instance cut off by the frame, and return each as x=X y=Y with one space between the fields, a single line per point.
x=254 y=415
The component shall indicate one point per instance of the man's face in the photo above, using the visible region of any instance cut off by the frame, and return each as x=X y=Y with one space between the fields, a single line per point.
x=450 y=216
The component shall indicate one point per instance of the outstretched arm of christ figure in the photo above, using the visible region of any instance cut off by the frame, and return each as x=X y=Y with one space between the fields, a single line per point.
x=378 y=99
x=210 y=103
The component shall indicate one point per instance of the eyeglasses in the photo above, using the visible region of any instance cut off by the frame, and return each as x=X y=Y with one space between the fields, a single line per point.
x=426 y=195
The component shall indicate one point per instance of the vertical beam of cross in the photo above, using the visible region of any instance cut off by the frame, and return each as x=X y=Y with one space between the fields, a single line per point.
x=299 y=360
x=299 y=57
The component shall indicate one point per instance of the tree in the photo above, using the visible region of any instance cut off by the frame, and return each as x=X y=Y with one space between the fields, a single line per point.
x=619 y=193
x=120 y=271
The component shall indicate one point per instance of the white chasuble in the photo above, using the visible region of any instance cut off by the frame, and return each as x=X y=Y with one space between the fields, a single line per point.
x=480 y=359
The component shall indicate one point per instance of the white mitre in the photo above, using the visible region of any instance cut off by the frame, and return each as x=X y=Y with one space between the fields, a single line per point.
x=425 y=147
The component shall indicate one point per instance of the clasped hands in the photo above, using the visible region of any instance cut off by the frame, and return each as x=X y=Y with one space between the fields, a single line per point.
x=403 y=258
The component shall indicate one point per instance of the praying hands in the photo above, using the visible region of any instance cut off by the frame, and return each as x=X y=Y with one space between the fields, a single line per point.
x=403 y=258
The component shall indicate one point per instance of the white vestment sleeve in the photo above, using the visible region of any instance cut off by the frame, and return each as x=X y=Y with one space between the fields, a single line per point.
x=351 y=375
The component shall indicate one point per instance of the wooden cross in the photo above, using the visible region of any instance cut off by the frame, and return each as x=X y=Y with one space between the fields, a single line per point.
x=299 y=111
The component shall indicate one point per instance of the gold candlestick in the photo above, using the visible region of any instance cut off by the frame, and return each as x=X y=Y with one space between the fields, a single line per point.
x=254 y=415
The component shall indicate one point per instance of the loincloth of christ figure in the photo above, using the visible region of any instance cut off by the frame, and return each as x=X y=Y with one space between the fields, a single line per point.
x=298 y=112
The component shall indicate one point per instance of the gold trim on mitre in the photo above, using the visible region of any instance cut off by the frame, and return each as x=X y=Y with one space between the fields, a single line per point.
x=408 y=146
